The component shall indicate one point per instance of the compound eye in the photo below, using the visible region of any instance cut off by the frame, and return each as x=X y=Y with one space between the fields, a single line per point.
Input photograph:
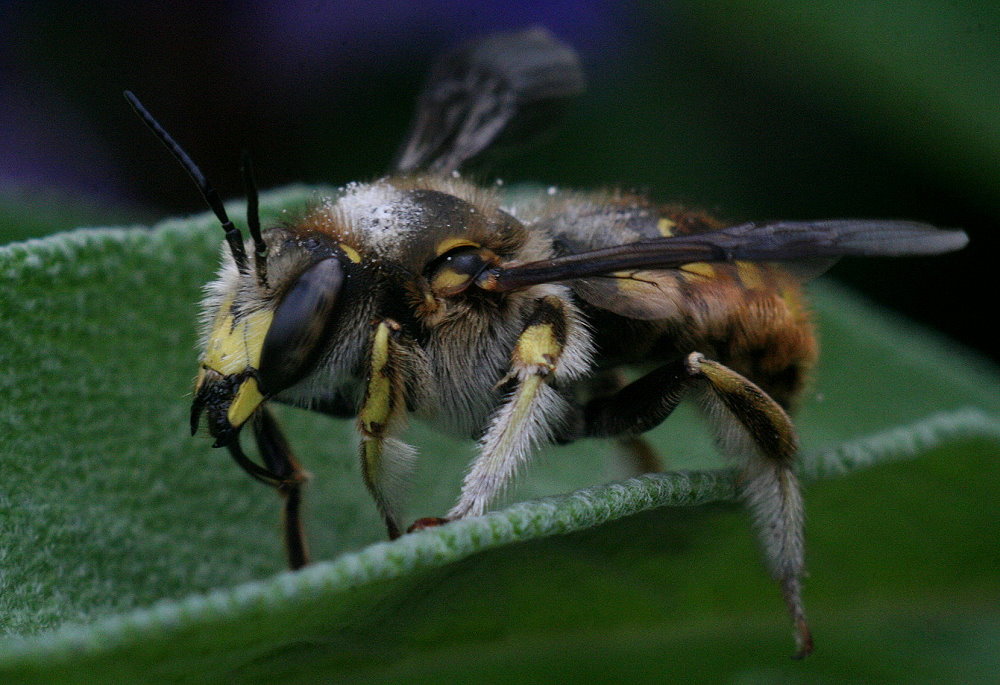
x=300 y=327
x=457 y=269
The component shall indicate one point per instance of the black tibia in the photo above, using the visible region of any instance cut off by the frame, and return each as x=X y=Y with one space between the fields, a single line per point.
x=645 y=403
x=288 y=480
x=639 y=454
x=639 y=406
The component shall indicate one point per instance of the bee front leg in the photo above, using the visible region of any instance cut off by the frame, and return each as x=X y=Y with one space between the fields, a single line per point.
x=752 y=428
x=525 y=418
x=384 y=460
x=277 y=457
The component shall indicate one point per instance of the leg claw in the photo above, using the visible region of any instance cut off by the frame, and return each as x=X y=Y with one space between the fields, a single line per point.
x=428 y=522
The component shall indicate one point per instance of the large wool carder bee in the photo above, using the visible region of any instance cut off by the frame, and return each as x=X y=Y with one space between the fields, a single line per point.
x=512 y=323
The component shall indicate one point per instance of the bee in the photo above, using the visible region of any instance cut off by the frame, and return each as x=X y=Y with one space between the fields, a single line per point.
x=512 y=319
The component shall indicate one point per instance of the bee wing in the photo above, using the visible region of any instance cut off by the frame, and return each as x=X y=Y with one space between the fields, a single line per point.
x=643 y=294
x=504 y=81
x=810 y=243
x=662 y=293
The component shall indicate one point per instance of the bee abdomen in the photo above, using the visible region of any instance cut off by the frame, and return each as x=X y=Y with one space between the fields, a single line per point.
x=764 y=333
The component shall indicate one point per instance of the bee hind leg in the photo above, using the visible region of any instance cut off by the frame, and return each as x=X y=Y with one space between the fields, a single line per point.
x=751 y=428
x=641 y=455
x=755 y=430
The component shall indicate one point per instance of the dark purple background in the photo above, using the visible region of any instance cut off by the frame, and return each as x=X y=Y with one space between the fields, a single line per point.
x=321 y=92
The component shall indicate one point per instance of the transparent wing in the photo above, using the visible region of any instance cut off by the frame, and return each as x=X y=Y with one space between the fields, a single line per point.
x=491 y=86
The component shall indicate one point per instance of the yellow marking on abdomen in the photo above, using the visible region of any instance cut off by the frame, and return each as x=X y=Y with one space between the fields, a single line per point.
x=750 y=275
x=666 y=227
x=703 y=269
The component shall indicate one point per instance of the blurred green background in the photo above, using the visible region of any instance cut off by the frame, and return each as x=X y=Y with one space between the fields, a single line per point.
x=754 y=110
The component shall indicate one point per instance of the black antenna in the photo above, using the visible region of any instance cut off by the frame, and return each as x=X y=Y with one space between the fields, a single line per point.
x=233 y=237
x=253 y=220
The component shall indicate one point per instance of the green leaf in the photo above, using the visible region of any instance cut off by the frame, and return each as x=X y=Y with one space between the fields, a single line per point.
x=132 y=551
x=29 y=212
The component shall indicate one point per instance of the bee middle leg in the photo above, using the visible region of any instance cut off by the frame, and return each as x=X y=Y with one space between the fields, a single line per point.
x=523 y=420
x=751 y=428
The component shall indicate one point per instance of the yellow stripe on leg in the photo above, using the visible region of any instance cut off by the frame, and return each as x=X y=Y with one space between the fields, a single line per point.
x=377 y=407
x=383 y=458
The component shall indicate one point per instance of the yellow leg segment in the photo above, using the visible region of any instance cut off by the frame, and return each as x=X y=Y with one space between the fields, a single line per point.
x=383 y=458
x=525 y=418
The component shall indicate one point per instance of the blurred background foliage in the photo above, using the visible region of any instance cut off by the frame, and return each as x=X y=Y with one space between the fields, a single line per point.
x=754 y=110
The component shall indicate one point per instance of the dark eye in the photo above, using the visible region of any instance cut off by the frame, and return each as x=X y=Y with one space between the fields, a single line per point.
x=300 y=327
x=452 y=272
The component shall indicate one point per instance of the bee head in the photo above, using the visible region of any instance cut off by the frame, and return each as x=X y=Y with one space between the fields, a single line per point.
x=265 y=331
x=411 y=247
x=263 y=340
